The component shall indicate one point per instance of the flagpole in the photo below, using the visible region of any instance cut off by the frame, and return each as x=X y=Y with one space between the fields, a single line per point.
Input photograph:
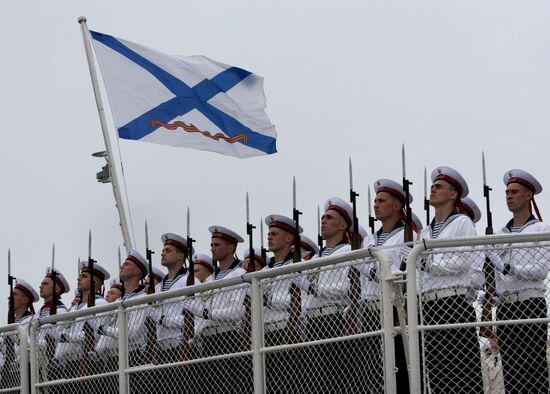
x=109 y=156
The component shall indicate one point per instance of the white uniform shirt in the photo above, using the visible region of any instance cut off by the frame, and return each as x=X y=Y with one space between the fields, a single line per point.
x=227 y=306
x=454 y=269
x=278 y=297
x=53 y=330
x=528 y=267
x=331 y=285
x=74 y=334
x=170 y=333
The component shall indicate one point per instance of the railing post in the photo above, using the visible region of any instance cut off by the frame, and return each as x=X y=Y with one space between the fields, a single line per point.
x=23 y=359
x=257 y=336
x=387 y=321
x=33 y=356
x=412 y=313
x=122 y=349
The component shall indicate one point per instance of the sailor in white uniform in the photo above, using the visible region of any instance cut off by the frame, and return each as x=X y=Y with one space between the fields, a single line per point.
x=452 y=357
x=389 y=209
x=309 y=248
x=77 y=340
x=326 y=317
x=282 y=323
x=522 y=286
x=48 y=335
x=224 y=312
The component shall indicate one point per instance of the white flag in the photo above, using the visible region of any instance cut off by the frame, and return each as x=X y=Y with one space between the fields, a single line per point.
x=191 y=102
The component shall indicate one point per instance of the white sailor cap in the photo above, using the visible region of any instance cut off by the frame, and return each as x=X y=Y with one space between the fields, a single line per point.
x=175 y=240
x=308 y=244
x=59 y=279
x=225 y=234
x=392 y=187
x=417 y=223
x=283 y=222
x=342 y=207
x=135 y=257
x=117 y=284
x=27 y=289
x=362 y=232
x=471 y=209
x=453 y=177
x=523 y=178
x=158 y=274
x=257 y=253
x=204 y=260
x=99 y=271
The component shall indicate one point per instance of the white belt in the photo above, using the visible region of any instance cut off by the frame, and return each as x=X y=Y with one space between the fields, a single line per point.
x=275 y=326
x=522 y=296
x=444 y=293
x=324 y=311
x=219 y=329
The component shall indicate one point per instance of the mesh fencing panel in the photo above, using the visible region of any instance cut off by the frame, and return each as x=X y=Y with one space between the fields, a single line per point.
x=10 y=361
x=69 y=351
x=316 y=311
x=455 y=288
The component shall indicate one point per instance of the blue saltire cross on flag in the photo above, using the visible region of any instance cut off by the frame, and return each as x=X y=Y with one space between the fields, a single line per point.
x=191 y=102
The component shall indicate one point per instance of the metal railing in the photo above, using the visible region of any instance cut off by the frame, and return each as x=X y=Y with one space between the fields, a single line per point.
x=252 y=333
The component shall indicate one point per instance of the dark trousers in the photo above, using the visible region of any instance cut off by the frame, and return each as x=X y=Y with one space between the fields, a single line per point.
x=453 y=359
x=230 y=375
x=282 y=368
x=325 y=367
x=523 y=347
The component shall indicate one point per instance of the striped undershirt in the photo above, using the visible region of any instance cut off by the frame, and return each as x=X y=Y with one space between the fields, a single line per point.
x=167 y=283
x=515 y=229
x=382 y=237
x=436 y=228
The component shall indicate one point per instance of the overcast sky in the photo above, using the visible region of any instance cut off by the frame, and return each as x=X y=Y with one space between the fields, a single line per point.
x=342 y=78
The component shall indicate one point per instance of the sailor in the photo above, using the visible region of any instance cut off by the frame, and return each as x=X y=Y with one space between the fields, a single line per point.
x=203 y=266
x=326 y=310
x=170 y=332
x=281 y=325
x=115 y=291
x=224 y=312
x=132 y=272
x=24 y=295
x=158 y=276
x=258 y=260
x=477 y=276
x=77 y=340
x=49 y=334
x=521 y=284
x=389 y=209
x=452 y=356
x=309 y=248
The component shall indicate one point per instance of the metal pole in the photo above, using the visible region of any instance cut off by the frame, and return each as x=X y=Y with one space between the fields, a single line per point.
x=412 y=313
x=100 y=109
x=24 y=359
x=257 y=337
x=387 y=322
x=122 y=349
x=33 y=357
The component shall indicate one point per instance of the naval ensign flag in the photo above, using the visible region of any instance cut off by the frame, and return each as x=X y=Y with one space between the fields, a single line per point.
x=191 y=102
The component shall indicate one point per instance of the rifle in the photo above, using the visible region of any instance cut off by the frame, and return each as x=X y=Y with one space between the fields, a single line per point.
x=319 y=236
x=149 y=323
x=488 y=267
x=89 y=340
x=247 y=335
x=189 y=320
x=426 y=200
x=50 y=342
x=295 y=292
x=353 y=273
x=408 y=236
x=371 y=218
x=264 y=250
x=9 y=371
